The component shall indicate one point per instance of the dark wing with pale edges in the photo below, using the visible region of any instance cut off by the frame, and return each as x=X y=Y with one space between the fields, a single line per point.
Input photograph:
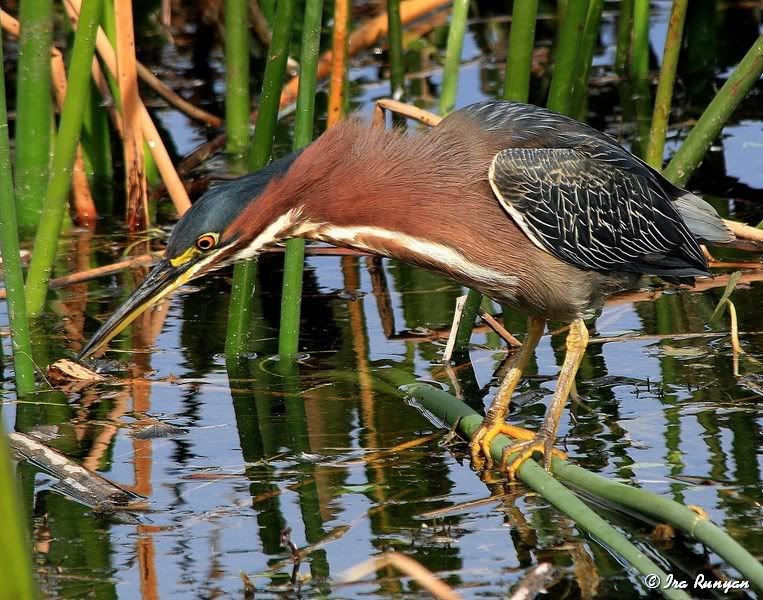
x=595 y=213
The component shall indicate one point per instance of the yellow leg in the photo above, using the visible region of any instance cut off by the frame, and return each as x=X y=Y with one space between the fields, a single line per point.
x=494 y=422
x=543 y=441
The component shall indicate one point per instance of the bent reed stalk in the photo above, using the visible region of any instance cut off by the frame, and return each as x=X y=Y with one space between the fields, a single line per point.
x=455 y=413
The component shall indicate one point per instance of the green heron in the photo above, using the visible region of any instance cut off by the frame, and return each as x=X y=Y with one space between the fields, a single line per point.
x=535 y=210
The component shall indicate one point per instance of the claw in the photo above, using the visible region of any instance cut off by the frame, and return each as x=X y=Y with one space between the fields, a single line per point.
x=540 y=442
x=484 y=436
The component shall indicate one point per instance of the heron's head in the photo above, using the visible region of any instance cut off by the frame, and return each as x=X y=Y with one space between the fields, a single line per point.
x=220 y=228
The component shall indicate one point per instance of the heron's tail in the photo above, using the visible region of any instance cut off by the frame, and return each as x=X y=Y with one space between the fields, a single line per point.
x=702 y=219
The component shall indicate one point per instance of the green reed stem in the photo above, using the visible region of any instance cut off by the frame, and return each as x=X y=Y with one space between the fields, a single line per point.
x=12 y=272
x=516 y=84
x=294 y=262
x=237 y=101
x=624 y=30
x=17 y=581
x=239 y=316
x=395 y=36
x=453 y=52
x=34 y=110
x=662 y=102
x=452 y=411
x=741 y=81
x=640 y=50
x=585 y=58
x=566 y=56
x=56 y=196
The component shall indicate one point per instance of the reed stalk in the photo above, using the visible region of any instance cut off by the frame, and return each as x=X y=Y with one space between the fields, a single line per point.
x=656 y=147
x=710 y=124
x=395 y=36
x=237 y=101
x=340 y=46
x=54 y=206
x=34 y=110
x=96 y=149
x=454 y=48
x=136 y=209
x=566 y=56
x=585 y=58
x=624 y=31
x=294 y=261
x=12 y=272
x=453 y=412
x=17 y=581
x=244 y=274
x=516 y=84
x=640 y=40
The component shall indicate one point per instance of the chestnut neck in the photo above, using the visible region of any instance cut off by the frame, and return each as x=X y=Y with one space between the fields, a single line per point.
x=357 y=176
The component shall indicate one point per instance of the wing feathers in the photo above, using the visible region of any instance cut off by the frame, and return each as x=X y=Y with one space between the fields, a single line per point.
x=593 y=213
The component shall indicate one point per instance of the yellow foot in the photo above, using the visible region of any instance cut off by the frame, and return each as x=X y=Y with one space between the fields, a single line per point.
x=484 y=436
x=541 y=442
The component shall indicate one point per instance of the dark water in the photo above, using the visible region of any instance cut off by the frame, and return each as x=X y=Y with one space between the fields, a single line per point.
x=254 y=452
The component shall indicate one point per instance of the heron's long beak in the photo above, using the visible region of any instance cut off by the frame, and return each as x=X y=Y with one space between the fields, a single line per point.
x=163 y=279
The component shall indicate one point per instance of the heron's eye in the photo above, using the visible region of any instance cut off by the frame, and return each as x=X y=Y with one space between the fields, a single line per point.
x=206 y=242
